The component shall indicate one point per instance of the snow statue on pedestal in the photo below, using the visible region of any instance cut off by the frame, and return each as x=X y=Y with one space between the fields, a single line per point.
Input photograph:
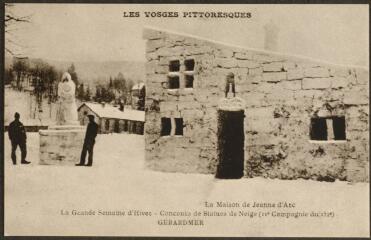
x=66 y=110
x=61 y=144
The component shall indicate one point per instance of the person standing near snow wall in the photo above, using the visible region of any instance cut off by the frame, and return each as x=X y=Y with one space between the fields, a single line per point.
x=18 y=137
x=88 y=147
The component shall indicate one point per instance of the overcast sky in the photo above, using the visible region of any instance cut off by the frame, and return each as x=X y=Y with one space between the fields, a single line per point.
x=77 y=32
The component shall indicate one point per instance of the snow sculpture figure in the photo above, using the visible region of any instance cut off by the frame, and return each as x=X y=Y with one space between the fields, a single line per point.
x=66 y=110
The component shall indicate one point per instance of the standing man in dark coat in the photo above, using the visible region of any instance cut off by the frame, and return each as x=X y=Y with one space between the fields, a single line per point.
x=91 y=133
x=18 y=137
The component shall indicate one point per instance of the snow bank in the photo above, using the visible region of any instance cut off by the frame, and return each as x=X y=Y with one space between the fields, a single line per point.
x=118 y=180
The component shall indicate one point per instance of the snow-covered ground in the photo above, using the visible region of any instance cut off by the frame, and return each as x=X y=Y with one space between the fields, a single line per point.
x=35 y=196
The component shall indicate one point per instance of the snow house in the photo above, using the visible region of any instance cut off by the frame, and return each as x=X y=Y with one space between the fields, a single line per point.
x=301 y=118
x=110 y=119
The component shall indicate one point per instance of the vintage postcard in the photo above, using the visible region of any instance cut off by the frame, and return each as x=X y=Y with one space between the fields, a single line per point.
x=186 y=120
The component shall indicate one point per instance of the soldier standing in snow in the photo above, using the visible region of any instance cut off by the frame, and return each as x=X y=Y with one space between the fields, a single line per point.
x=122 y=105
x=17 y=136
x=91 y=133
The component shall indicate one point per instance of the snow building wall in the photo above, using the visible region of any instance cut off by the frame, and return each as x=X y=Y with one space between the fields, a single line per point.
x=283 y=95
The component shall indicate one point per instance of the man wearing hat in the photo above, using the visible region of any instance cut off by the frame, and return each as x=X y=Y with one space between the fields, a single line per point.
x=17 y=136
x=91 y=133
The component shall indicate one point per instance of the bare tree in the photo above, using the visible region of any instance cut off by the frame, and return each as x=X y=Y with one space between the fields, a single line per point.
x=11 y=23
x=20 y=67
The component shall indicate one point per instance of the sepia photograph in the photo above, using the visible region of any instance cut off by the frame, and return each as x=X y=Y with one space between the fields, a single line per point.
x=200 y=120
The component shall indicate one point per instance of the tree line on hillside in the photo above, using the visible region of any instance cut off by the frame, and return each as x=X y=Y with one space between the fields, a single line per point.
x=116 y=90
x=42 y=78
x=37 y=76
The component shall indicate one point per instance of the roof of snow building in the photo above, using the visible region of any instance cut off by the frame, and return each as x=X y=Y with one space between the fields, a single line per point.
x=109 y=111
x=148 y=29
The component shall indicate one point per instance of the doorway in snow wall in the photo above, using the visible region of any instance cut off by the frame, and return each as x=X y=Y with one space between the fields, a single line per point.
x=230 y=144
